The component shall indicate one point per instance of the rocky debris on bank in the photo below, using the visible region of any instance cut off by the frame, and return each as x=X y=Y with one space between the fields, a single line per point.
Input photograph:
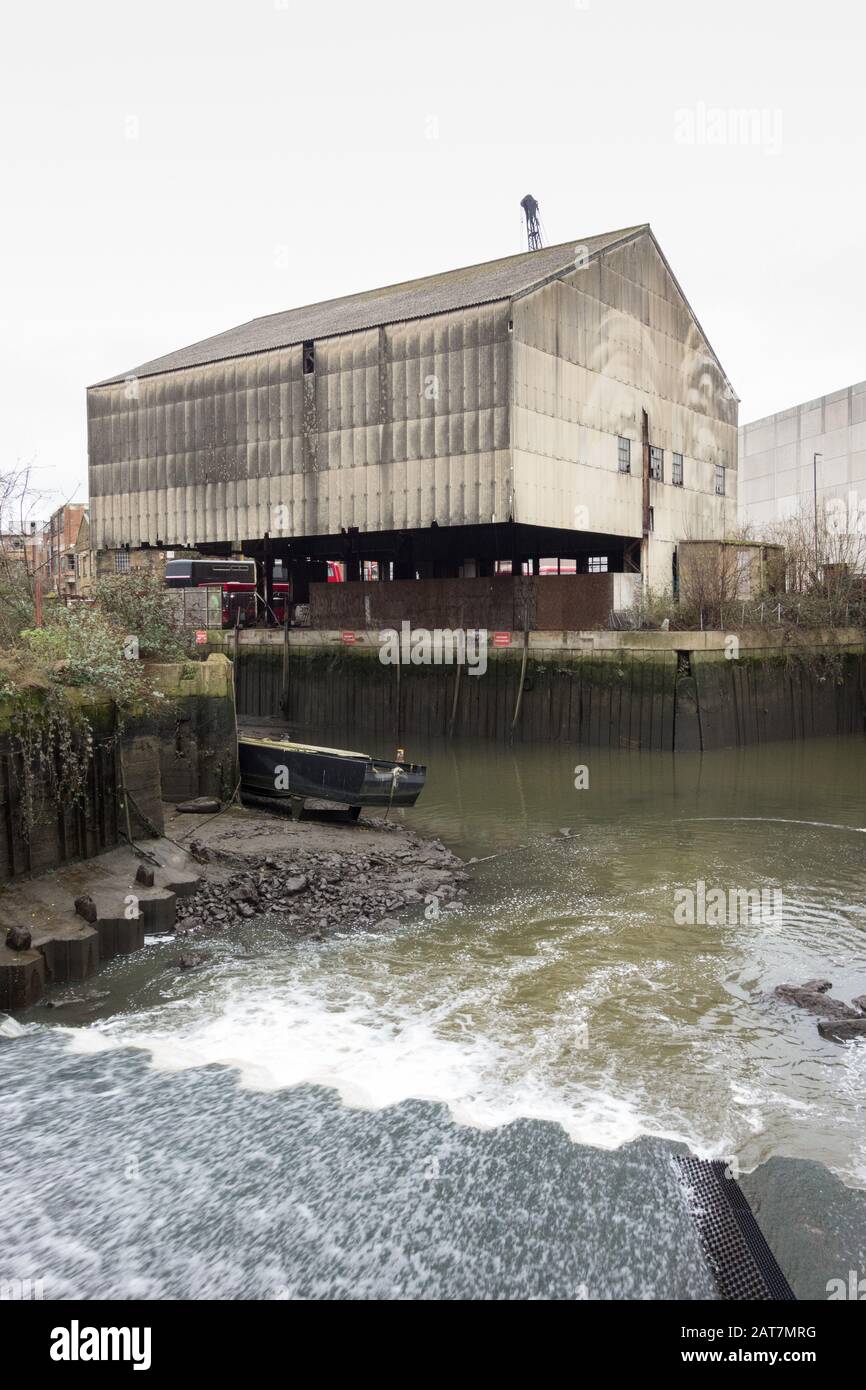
x=190 y=962
x=842 y=1029
x=86 y=907
x=840 y=1022
x=313 y=891
x=18 y=939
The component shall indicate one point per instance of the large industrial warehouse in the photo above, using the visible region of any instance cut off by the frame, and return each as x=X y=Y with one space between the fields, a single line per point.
x=559 y=409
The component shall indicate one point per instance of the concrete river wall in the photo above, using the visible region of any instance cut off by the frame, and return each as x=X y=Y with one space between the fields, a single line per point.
x=67 y=796
x=641 y=690
x=187 y=748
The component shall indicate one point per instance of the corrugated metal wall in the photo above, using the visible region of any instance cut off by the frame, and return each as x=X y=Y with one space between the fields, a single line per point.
x=395 y=427
x=591 y=351
x=403 y=424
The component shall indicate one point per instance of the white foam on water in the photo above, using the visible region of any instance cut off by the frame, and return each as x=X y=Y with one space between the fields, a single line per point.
x=291 y=1034
x=778 y=820
x=685 y=1042
x=11 y=1028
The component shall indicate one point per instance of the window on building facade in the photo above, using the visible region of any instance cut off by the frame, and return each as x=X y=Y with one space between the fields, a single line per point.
x=720 y=480
x=624 y=455
x=309 y=357
x=677 y=470
x=121 y=561
x=657 y=464
x=652 y=518
x=597 y=564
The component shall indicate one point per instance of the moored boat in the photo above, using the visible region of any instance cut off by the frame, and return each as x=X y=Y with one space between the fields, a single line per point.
x=281 y=768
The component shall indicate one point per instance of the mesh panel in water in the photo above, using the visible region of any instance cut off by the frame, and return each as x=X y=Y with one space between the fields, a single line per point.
x=742 y=1263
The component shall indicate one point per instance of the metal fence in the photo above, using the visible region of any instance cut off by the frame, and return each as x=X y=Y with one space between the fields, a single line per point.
x=199 y=608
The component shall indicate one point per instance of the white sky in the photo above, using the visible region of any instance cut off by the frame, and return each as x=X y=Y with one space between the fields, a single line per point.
x=288 y=152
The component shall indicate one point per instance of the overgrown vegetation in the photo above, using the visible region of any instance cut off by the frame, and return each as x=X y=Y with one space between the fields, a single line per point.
x=139 y=602
x=51 y=741
x=18 y=501
x=100 y=648
x=85 y=646
x=815 y=578
x=102 y=644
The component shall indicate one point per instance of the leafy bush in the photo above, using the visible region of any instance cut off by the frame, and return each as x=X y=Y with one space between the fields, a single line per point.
x=139 y=602
x=16 y=601
x=83 y=646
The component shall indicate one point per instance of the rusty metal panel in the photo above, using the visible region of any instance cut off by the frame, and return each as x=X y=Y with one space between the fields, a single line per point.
x=546 y=602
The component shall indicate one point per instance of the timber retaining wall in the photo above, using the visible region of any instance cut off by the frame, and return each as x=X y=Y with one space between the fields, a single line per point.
x=663 y=691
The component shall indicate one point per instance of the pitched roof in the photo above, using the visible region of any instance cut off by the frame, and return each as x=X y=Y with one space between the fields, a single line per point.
x=434 y=294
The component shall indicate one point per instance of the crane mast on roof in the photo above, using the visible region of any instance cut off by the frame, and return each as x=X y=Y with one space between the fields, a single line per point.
x=533 y=225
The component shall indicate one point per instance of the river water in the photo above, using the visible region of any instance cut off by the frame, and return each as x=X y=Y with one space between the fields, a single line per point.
x=483 y=1103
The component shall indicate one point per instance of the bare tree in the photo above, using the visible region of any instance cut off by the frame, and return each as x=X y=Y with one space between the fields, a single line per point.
x=826 y=560
x=20 y=566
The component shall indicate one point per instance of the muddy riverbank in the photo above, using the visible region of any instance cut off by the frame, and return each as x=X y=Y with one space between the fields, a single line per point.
x=313 y=876
x=213 y=878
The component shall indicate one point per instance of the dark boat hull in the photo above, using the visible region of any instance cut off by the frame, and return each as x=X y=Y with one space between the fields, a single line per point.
x=296 y=771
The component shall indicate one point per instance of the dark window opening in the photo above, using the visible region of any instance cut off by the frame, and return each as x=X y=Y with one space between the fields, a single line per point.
x=624 y=455
x=677 y=471
x=309 y=357
x=657 y=464
x=720 y=480
x=652 y=518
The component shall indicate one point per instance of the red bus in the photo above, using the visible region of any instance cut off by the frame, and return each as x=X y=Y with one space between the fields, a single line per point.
x=237 y=581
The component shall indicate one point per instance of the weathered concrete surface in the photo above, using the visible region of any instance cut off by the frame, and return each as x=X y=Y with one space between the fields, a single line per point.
x=66 y=947
x=97 y=823
x=196 y=732
x=22 y=978
x=481 y=394
x=187 y=748
x=652 y=642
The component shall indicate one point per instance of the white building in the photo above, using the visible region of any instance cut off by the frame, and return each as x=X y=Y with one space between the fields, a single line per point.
x=779 y=472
